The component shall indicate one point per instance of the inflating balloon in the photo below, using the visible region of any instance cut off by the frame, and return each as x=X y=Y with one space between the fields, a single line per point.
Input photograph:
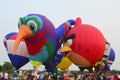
x=41 y=39
x=111 y=59
x=39 y=35
x=108 y=58
x=21 y=58
x=84 y=44
x=105 y=55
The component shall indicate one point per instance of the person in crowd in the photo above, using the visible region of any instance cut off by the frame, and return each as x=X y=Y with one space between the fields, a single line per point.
x=61 y=77
x=6 y=76
x=112 y=77
x=54 y=76
x=15 y=75
x=1 y=75
x=66 y=77
x=116 y=76
x=41 y=76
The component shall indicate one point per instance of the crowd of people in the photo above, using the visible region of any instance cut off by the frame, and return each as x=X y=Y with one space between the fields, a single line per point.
x=4 y=76
x=53 y=76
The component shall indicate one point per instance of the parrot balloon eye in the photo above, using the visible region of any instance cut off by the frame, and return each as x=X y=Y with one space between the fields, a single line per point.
x=32 y=25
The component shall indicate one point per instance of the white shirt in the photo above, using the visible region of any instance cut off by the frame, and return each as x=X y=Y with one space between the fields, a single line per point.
x=6 y=75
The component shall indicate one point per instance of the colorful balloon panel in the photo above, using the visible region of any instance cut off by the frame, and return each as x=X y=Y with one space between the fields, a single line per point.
x=105 y=55
x=111 y=57
x=110 y=60
x=21 y=57
x=63 y=28
x=58 y=57
x=18 y=61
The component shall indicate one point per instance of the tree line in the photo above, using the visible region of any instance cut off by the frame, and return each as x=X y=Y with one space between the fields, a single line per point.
x=7 y=67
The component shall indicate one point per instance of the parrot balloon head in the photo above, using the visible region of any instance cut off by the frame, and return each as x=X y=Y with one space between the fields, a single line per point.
x=39 y=35
x=34 y=28
x=84 y=44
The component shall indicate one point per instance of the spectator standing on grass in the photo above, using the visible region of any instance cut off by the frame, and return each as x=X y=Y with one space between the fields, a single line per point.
x=61 y=77
x=1 y=75
x=41 y=77
x=6 y=75
x=112 y=77
x=66 y=78
x=116 y=76
x=15 y=75
x=54 y=76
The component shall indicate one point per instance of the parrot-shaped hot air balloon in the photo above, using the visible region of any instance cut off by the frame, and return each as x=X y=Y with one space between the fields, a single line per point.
x=84 y=44
x=21 y=58
x=41 y=39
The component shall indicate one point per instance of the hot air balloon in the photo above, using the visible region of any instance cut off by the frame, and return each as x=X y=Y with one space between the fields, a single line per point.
x=105 y=55
x=21 y=58
x=107 y=59
x=41 y=39
x=84 y=44
x=111 y=59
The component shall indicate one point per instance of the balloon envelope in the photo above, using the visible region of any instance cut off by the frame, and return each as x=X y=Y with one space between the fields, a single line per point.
x=21 y=57
x=88 y=45
x=111 y=57
x=110 y=60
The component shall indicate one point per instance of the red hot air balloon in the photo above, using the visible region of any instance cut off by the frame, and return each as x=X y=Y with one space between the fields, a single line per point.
x=84 y=44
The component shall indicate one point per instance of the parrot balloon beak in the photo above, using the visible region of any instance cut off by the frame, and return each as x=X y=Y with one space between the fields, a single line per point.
x=66 y=49
x=24 y=32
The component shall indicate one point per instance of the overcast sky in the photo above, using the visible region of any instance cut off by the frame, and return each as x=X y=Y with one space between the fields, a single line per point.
x=103 y=14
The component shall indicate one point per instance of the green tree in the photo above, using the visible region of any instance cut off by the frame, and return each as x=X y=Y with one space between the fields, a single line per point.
x=113 y=71
x=7 y=66
x=1 y=68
